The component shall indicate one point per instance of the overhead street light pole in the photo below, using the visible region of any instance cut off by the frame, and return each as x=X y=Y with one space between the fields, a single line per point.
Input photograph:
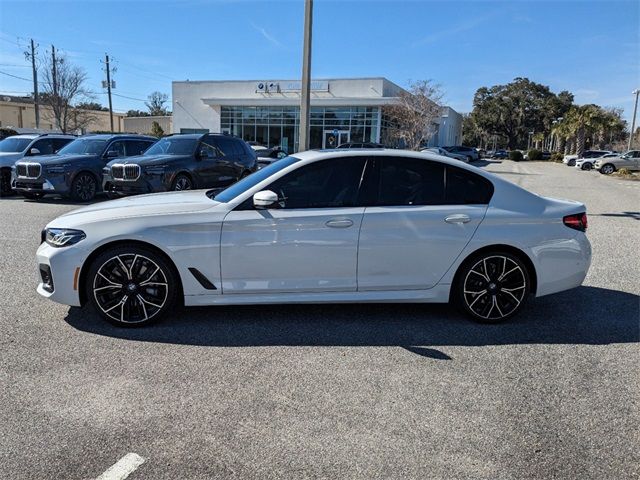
x=636 y=92
x=305 y=98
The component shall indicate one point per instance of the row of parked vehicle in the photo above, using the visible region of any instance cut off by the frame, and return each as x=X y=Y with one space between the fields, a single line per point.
x=605 y=161
x=81 y=167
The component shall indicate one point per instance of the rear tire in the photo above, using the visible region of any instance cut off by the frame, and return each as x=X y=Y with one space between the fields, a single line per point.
x=131 y=286
x=492 y=286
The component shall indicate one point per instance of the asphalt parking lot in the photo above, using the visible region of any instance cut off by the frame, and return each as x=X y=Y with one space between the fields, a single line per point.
x=334 y=391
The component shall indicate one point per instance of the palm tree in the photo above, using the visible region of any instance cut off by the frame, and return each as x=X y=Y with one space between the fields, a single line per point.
x=583 y=120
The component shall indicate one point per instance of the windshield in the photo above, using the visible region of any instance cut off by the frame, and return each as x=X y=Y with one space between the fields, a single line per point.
x=252 y=180
x=14 y=145
x=173 y=146
x=83 y=146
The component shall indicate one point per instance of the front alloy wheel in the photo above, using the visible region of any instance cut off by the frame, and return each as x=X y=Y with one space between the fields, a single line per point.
x=493 y=287
x=131 y=286
x=607 y=169
x=84 y=187
x=182 y=182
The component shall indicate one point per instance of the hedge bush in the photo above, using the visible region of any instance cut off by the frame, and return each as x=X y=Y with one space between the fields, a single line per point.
x=556 y=157
x=534 y=154
x=515 y=155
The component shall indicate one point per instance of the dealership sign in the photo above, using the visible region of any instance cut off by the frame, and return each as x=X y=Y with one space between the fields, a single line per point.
x=295 y=86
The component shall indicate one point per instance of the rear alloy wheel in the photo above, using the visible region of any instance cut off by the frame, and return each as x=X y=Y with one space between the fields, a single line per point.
x=84 y=187
x=607 y=169
x=131 y=286
x=182 y=182
x=493 y=287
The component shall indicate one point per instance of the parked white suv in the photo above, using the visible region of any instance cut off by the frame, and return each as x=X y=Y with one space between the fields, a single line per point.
x=571 y=159
x=629 y=160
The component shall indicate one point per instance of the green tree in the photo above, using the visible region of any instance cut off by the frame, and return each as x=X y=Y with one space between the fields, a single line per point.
x=91 y=106
x=156 y=129
x=584 y=120
x=137 y=113
x=513 y=110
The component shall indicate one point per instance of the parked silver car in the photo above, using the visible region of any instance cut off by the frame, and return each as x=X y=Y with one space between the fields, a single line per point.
x=629 y=160
x=445 y=153
x=587 y=163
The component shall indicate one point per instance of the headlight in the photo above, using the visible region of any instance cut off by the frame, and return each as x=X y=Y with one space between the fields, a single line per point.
x=63 y=237
x=56 y=168
x=155 y=170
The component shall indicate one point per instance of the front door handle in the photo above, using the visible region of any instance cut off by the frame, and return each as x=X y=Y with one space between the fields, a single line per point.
x=339 y=223
x=458 y=218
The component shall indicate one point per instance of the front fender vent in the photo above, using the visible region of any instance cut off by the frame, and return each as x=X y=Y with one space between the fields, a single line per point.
x=202 y=280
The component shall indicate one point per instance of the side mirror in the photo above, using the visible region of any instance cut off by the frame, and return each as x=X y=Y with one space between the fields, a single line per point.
x=34 y=151
x=264 y=199
x=205 y=153
x=112 y=154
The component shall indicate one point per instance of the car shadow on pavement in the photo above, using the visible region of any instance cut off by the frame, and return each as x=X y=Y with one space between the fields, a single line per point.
x=634 y=215
x=585 y=315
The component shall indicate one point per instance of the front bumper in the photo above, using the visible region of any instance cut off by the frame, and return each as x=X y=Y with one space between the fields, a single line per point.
x=144 y=184
x=42 y=184
x=64 y=266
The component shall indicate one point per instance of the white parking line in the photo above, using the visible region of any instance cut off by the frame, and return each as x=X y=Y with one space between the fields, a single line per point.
x=123 y=467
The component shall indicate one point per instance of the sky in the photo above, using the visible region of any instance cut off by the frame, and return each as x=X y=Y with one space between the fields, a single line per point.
x=591 y=48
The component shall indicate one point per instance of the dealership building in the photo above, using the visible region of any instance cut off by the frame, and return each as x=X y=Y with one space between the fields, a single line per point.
x=268 y=111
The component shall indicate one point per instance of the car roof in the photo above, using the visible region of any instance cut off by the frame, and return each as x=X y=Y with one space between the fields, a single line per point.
x=33 y=136
x=377 y=152
x=108 y=136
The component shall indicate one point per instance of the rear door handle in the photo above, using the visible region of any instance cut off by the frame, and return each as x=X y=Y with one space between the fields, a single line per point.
x=339 y=223
x=458 y=218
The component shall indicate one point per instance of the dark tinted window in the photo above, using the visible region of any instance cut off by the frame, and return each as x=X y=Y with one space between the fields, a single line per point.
x=136 y=147
x=58 y=143
x=466 y=188
x=225 y=145
x=323 y=184
x=45 y=146
x=410 y=181
x=117 y=147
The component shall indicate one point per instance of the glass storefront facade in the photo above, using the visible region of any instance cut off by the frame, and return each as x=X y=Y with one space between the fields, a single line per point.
x=278 y=126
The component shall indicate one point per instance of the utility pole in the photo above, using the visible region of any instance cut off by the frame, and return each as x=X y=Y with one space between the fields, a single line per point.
x=636 y=92
x=36 y=104
x=305 y=99
x=53 y=72
x=106 y=61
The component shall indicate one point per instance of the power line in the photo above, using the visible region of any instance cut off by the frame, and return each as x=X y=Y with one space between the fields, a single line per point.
x=15 y=76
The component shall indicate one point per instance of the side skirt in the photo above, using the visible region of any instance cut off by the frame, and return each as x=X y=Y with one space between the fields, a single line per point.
x=437 y=294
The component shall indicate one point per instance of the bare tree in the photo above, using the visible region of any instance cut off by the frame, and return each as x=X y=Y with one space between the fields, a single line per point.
x=156 y=104
x=412 y=119
x=63 y=86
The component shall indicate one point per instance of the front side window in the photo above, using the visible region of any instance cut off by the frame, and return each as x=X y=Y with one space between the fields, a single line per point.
x=117 y=147
x=44 y=146
x=136 y=147
x=84 y=146
x=58 y=143
x=410 y=181
x=332 y=183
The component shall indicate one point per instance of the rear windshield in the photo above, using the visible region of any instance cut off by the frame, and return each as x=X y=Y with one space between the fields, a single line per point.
x=252 y=180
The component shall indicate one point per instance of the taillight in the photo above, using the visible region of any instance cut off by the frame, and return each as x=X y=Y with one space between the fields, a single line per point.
x=577 y=221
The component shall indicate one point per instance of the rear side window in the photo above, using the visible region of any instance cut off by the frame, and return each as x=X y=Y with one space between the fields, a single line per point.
x=226 y=146
x=466 y=188
x=410 y=181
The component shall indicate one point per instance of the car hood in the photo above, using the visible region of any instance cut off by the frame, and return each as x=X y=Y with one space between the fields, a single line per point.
x=138 y=206
x=57 y=159
x=148 y=160
x=7 y=159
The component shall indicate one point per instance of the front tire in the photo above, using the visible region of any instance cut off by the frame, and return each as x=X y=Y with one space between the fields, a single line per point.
x=131 y=286
x=84 y=187
x=492 y=287
x=607 y=169
x=182 y=182
x=586 y=166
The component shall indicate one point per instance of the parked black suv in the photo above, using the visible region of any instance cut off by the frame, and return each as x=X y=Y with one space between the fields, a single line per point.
x=181 y=162
x=77 y=168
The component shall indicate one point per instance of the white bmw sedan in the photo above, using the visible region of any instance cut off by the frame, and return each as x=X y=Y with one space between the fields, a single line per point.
x=321 y=226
